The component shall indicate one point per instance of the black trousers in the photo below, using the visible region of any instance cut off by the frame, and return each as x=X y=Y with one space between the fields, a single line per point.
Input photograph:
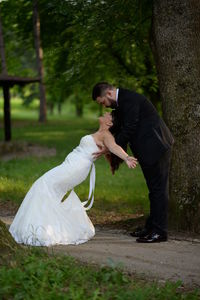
x=157 y=179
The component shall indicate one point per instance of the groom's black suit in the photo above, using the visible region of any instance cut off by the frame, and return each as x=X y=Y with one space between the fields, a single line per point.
x=150 y=141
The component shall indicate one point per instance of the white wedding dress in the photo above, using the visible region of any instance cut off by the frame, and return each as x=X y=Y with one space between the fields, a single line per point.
x=43 y=219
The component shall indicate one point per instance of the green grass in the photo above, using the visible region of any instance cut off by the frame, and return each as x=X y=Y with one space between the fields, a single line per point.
x=38 y=275
x=125 y=192
x=33 y=274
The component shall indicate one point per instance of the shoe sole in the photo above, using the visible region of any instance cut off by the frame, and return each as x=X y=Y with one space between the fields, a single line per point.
x=151 y=241
x=138 y=236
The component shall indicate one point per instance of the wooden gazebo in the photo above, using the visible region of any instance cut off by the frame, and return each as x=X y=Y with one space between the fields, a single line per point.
x=7 y=82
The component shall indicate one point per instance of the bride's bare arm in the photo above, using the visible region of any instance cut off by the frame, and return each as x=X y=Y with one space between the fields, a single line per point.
x=109 y=142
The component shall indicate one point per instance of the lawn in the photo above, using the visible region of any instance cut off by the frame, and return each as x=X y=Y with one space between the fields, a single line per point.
x=36 y=274
x=123 y=193
x=33 y=274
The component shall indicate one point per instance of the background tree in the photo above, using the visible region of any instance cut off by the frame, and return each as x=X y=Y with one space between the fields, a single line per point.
x=39 y=58
x=85 y=42
x=6 y=91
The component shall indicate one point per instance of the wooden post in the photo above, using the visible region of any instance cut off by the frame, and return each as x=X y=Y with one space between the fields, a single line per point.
x=6 y=92
x=7 y=119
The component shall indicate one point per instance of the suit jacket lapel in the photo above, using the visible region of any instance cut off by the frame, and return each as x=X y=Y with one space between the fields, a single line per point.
x=120 y=98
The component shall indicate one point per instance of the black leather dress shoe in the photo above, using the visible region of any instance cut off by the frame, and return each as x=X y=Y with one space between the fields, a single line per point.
x=153 y=237
x=140 y=232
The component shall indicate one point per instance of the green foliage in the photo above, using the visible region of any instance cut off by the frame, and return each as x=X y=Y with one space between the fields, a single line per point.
x=36 y=275
x=108 y=40
x=18 y=37
x=83 y=42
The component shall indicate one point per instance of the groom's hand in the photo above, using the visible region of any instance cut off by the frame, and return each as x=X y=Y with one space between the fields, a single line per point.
x=101 y=152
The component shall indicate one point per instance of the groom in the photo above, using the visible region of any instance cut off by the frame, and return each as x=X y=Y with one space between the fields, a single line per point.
x=151 y=142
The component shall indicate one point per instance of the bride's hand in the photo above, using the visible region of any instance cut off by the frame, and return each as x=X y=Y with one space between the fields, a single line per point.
x=131 y=162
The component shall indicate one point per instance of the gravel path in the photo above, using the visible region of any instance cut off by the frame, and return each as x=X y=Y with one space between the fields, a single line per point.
x=173 y=260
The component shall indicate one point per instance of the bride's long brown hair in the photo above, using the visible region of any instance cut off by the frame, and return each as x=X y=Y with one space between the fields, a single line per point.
x=115 y=161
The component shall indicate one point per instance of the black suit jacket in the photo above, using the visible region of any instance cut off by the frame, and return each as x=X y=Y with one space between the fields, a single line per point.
x=141 y=127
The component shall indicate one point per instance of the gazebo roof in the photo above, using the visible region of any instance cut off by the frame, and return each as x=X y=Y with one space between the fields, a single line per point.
x=9 y=80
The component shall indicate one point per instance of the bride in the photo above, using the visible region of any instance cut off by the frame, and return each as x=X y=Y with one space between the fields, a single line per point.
x=45 y=217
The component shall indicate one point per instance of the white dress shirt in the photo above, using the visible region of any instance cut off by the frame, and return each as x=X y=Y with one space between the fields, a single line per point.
x=117 y=92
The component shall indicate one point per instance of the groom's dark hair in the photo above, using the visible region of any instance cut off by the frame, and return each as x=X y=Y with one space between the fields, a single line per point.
x=100 y=88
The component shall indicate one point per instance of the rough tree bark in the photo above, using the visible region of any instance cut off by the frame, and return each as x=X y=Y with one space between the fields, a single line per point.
x=7 y=243
x=39 y=57
x=78 y=105
x=176 y=48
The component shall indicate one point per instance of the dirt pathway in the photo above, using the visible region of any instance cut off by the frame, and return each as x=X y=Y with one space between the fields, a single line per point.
x=173 y=260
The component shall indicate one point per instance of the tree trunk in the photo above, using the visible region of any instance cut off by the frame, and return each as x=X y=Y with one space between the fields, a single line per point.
x=59 y=105
x=2 y=50
x=39 y=57
x=79 y=111
x=7 y=243
x=51 y=108
x=176 y=48
x=100 y=110
x=79 y=107
x=7 y=117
